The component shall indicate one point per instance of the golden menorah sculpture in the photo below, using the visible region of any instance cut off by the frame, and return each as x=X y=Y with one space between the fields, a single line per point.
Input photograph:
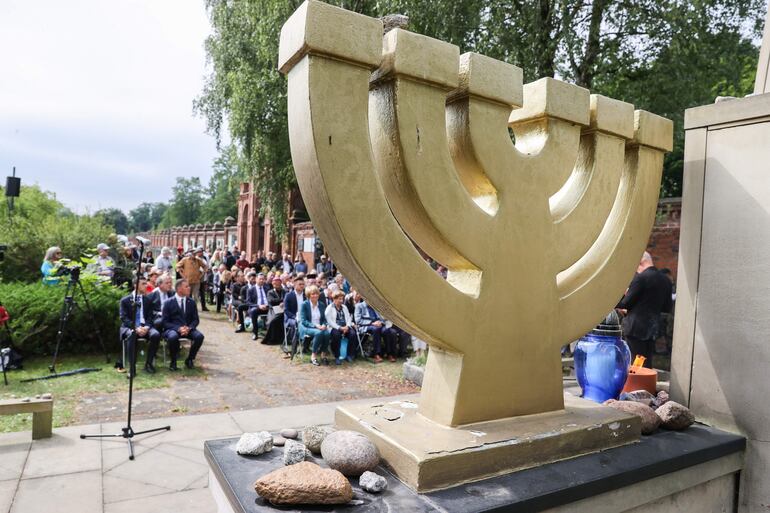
x=400 y=141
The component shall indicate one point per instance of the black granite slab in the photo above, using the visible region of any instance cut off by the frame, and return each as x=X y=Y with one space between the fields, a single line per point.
x=529 y=490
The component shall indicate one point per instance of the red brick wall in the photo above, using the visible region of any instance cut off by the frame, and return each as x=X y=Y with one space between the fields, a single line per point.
x=664 y=239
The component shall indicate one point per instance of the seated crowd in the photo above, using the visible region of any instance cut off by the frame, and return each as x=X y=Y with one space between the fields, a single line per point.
x=294 y=304
x=297 y=306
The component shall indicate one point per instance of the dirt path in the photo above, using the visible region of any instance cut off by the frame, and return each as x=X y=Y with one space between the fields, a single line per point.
x=242 y=374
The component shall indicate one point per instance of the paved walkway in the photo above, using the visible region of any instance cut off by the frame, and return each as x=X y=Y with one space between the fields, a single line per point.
x=241 y=374
x=65 y=474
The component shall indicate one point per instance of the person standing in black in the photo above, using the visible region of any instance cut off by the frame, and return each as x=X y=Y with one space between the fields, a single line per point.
x=647 y=297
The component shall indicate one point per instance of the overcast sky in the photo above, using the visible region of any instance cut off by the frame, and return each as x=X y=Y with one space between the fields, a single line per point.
x=96 y=98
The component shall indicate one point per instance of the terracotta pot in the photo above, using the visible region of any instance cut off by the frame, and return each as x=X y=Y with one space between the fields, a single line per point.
x=641 y=378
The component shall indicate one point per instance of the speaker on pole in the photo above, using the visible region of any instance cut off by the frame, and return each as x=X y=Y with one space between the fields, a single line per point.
x=13 y=185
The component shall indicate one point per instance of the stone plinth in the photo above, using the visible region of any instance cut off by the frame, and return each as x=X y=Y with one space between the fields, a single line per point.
x=427 y=456
x=660 y=474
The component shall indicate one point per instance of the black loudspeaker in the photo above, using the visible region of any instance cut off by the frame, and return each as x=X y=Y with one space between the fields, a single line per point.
x=12 y=186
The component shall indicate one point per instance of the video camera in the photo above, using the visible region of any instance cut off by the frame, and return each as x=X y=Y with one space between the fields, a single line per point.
x=63 y=269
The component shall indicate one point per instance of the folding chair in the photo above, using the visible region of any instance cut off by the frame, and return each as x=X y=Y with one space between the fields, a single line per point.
x=264 y=323
x=362 y=338
x=287 y=345
x=303 y=346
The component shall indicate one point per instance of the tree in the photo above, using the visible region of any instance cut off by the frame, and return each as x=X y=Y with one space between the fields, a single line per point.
x=114 y=217
x=185 y=205
x=39 y=221
x=223 y=189
x=145 y=217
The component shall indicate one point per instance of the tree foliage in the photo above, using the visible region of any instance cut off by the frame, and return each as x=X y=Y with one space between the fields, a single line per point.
x=39 y=221
x=223 y=189
x=114 y=217
x=145 y=217
x=186 y=202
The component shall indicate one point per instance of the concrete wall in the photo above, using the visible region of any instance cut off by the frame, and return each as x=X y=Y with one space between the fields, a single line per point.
x=721 y=354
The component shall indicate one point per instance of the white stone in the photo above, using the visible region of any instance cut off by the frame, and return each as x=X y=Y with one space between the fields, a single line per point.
x=254 y=444
x=373 y=483
x=294 y=452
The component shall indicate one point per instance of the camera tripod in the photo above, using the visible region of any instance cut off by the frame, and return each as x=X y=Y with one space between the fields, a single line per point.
x=73 y=286
x=128 y=432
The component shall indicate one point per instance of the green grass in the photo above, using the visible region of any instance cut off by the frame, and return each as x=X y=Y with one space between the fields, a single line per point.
x=68 y=391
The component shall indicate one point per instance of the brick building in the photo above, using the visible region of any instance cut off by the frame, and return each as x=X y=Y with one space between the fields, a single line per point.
x=664 y=238
x=252 y=232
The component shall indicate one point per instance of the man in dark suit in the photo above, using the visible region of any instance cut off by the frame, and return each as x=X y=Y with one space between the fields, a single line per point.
x=164 y=291
x=291 y=304
x=243 y=300
x=137 y=322
x=647 y=297
x=256 y=298
x=180 y=320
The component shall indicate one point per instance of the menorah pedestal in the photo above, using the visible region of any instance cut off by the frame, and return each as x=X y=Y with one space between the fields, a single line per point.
x=427 y=456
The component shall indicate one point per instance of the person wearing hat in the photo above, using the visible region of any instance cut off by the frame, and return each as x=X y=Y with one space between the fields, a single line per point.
x=192 y=268
x=105 y=265
x=324 y=266
x=164 y=263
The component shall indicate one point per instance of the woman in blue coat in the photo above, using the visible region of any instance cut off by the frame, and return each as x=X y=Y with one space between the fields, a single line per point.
x=312 y=323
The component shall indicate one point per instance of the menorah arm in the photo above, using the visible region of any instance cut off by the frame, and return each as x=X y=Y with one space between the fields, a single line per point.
x=581 y=206
x=328 y=128
x=548 y=126
x=591 y=285
x=411 y=151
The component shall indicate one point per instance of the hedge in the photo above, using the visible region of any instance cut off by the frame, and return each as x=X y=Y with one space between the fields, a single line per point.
x=35 y=310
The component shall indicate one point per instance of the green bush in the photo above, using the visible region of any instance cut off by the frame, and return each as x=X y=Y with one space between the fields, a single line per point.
x=39 y=221
x=35 y=309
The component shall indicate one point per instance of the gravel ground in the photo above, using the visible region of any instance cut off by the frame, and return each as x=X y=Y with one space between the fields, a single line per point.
x=241 y=374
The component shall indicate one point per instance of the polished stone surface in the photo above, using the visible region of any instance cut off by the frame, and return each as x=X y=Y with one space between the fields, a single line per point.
x=536 y=489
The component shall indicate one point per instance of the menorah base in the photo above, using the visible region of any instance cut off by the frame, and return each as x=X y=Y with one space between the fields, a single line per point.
x=427 y=456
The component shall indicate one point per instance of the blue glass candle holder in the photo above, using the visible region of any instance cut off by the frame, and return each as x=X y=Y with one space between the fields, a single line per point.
x=602 y=358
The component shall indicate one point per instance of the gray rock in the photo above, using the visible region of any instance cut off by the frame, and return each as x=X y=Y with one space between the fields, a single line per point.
x=650 y=421
x=661 y=399
x=373 y=483
x=255 y=444
x=293 y=452
x=349 y=452
x=289 y=433
x=313 y=437
x=639 y=396
x=278 y=441
x=413 y=373
x=675 y=416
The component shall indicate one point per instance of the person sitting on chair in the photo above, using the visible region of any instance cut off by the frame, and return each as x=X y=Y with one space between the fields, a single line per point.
x=370 y=321
x=164 y=290
x=143 y=326
x=256 y=298
x=180 y=319
x=341 y=324
x=243 y=300
x=274 y=334
x=291 y=303
x=312 y=323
